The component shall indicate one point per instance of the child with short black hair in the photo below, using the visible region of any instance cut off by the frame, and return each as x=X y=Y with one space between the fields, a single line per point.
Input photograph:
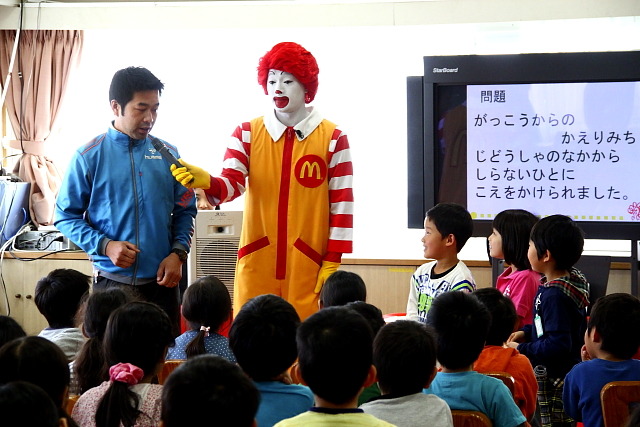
x=447 y=227
x=26 y=404
x=40 y=362
x=209 y=390
x=495 y=357
x=462 y=322
x=404 y=354
x=135 y=343
x=206 y=306
x=263 y=338
x=373 y=315
x=58 y=296
x=509 y=241
x=10 y=330
x=335 y=360
x=611 y=340
x=554 y=340
x=341 y=288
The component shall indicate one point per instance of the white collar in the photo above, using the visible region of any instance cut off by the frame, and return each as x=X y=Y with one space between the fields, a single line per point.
x=303 y=129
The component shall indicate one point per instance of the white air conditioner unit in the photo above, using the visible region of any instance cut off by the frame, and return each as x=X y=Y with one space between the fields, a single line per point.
x=214 y=250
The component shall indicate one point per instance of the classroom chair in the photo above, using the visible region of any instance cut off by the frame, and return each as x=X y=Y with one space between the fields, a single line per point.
x=617 y=399
x=505 y=377
x=168 y=367
x=470 y=419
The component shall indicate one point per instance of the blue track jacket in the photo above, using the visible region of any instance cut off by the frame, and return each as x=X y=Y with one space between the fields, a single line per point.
x=119 y=188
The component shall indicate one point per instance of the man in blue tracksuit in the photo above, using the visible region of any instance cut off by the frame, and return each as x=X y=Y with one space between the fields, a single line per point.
x=122 y=206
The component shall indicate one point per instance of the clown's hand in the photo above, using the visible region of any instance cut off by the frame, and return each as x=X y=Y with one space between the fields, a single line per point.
x=191 y=176
x=326 y=270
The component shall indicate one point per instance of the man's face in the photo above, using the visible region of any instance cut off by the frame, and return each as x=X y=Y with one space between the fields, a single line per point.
x=137 y=118
x=286 y=91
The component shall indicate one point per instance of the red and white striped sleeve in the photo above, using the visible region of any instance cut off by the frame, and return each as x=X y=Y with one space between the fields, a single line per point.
x=340 y=197
x=232 y=181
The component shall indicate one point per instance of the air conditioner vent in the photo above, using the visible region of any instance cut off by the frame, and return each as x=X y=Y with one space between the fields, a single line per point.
x=215 y=246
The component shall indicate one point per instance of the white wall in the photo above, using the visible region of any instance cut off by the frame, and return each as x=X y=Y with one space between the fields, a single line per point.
x=211 y=84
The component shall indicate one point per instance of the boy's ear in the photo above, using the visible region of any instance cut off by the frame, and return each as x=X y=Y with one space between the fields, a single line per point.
x=372 y=377
x=297 y=374
x=431 y=377
x=596 y=337
x=546 y=257
x=450 y=240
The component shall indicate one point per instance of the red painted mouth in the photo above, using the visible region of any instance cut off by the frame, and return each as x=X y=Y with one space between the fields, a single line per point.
x=281 y=101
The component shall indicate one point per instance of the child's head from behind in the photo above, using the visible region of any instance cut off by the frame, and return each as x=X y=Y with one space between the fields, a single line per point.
x=615 y=321
x=263 y=337
x=58 y=296
x=503 y=314
x=404 y=353
x=90 y=365
x=138 y=333
x=10 y=330
x=206 y=305
x=558 y=236
x=461 y=323
x=510 y=237
x=25 y=404
x=38 y=361
x=335 y=353
x=370 y=312
x=342 y=287
x=447 y=222
x=206 y=388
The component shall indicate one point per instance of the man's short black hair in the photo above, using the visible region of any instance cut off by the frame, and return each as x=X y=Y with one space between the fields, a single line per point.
x=335 y=353
x=263 y=337
x=404 y=353
x=451 y=218
x=461 y=322
x=504 y=318
x=616 y=318
x=562 y=237
x=58 y=296
x=130 y=80
x=209 y=390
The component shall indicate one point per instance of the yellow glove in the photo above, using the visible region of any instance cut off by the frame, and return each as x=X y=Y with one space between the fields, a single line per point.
x=191 y=176
x=326 y=270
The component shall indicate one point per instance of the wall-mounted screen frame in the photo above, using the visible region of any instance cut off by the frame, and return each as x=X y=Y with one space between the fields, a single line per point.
x=495 y=132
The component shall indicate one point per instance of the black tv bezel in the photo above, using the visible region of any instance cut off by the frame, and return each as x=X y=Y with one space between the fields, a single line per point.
x=500 y=69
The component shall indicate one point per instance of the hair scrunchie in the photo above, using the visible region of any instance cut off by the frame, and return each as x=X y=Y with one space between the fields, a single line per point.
x=126 y=373
x=206 y=330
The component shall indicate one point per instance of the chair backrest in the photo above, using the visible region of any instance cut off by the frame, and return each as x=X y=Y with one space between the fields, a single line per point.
x=505 y=377
x=596 y=270
x=71 y=402
x=470 y=419
x=616 y=399
x=168 y=367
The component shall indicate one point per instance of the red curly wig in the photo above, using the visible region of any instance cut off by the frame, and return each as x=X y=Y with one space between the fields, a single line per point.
x=291 y=58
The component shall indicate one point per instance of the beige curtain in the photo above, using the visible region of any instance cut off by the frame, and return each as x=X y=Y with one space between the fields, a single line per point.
x=36 y=90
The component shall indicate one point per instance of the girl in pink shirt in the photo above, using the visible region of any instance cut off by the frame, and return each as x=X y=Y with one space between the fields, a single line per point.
x=510 y=241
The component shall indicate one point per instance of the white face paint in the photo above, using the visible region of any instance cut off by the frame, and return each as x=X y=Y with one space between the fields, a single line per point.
x=286 y=91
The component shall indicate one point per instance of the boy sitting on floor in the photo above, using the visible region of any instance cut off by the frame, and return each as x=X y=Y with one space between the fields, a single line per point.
x=461 y=323
x=611 y=340
x=335 y=360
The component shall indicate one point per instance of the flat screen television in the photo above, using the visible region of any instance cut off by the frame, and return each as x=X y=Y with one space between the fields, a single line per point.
x=549 y=133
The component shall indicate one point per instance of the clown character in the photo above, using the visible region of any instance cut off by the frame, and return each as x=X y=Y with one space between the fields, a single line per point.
x=295 y=167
